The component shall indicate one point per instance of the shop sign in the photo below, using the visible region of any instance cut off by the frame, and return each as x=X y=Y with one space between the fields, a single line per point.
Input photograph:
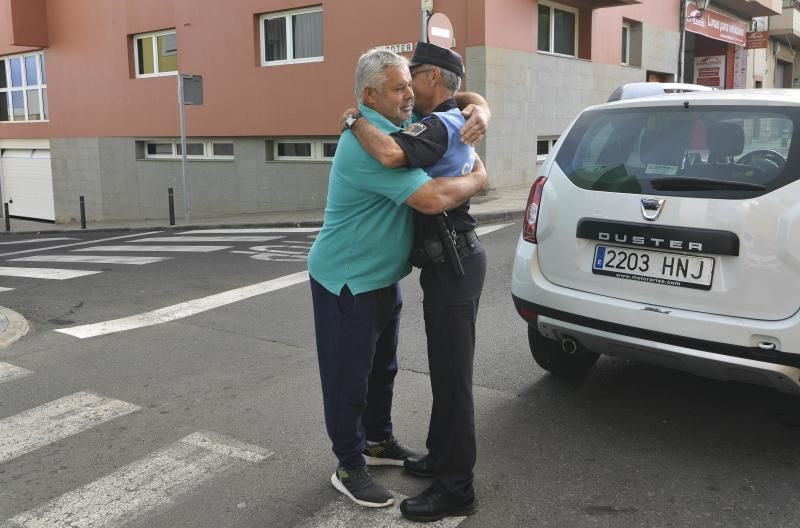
x=407 y=47
x=715 y=25
x=710 y=71
x=740 y=68
x=757 y=39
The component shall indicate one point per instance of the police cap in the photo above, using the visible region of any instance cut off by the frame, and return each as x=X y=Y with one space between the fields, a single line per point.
x=437 y=56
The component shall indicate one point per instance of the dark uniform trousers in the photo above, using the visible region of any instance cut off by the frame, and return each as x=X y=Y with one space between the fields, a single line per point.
x=451 y=309
x=357 y=353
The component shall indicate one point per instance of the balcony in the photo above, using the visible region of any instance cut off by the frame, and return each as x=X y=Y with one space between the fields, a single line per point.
x=786 y=26
x=750 y=8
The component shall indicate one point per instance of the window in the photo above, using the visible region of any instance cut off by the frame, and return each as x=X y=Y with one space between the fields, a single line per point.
x=558 y=29
x=222 y=150
x=625 y=57
x=291 y=37
x=156 y=54
x=643 y=150
x=195 y=149
x=302 y=149
x=543 y=147
x=23 y=88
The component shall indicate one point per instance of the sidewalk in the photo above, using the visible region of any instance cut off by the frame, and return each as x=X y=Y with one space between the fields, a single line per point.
x=497 y=205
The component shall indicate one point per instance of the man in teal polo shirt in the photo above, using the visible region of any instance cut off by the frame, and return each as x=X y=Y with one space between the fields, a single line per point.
x=355 y=264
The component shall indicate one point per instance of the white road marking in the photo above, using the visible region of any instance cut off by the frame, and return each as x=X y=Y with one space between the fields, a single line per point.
x=77 y=244
x=184 y=249
x=57 y=420
x=36 y=240
x=10 y=372
x=485 y=230
x=344 y=512
x=207 y=239
x=148 y=484
x=5 y=289
x=44 y=273
x=96 y=259
x=184 y=309
x=253 y=230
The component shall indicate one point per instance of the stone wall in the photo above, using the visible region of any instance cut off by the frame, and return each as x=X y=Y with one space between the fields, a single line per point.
x=118 y=186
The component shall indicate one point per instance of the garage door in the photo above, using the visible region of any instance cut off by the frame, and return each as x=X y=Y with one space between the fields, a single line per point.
x=28 y=183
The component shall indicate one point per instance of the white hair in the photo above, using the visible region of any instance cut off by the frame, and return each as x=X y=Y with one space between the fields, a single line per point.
x=450 y=80
x=371 y=66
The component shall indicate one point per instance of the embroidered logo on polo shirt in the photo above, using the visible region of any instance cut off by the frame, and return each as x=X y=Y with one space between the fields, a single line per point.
x=415 y=129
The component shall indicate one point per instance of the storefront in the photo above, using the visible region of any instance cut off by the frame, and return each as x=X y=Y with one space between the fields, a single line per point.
x=715 y=48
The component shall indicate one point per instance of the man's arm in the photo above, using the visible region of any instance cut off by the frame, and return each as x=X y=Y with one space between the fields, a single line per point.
x=377 y=144
x=441 y=194
x=476 y=109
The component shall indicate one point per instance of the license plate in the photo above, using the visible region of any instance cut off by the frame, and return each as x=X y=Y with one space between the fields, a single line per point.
x=657 y=267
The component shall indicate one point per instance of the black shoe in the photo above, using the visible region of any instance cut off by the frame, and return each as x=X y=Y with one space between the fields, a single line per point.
x=387 y=453
x=433 y=505
x=358 y=486
x=420 y=466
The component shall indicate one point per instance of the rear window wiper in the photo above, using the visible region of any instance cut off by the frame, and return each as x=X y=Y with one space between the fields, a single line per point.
x=703 y=184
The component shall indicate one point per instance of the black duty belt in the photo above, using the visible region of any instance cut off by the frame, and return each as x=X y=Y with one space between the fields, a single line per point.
x=466 y=241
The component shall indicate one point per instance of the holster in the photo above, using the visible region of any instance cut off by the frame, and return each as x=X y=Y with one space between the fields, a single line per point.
x=435 y=242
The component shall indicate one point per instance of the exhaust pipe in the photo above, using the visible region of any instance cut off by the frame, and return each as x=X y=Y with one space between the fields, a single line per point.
x=568 y=345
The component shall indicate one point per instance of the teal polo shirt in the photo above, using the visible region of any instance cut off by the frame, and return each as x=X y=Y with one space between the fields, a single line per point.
x=367 y=232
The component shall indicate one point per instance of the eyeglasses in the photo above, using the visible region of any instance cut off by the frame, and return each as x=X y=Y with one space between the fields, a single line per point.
x=421 y=70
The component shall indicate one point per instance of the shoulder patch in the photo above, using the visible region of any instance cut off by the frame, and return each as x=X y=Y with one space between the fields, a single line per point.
x=415 y=129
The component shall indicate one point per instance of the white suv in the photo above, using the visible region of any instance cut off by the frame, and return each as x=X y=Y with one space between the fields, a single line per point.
x=667 y=229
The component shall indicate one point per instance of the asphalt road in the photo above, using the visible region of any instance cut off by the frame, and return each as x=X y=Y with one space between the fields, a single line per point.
x=213 y=419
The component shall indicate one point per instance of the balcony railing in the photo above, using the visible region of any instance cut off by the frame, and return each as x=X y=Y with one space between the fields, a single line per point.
x=791 y=4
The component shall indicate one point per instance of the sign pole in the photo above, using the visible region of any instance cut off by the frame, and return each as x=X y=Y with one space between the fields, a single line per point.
x=426 y=7
x=183 y=149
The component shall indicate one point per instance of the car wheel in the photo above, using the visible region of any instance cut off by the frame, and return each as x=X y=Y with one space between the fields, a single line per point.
x=549 y=355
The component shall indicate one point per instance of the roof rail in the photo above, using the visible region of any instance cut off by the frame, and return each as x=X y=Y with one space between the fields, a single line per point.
x=647 y=89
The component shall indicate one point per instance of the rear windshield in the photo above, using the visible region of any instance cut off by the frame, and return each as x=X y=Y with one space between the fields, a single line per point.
x=727 y=152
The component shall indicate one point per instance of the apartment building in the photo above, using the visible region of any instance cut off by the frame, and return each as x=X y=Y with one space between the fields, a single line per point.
x=89 y=100
x=780 y=66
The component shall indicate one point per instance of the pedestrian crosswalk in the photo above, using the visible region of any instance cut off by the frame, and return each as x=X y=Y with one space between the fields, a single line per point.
x=143 y=486
x=10 y=372
x=44 y=273
x=57 y=420
x=137 y=491
x=154 y=247
x=94 y=259
x=129 y=493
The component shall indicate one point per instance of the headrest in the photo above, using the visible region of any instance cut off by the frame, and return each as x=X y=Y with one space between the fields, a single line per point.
x=663 y=147
x=724 y=139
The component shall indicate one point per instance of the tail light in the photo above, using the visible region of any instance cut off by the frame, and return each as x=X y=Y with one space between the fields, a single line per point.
x=532 y=210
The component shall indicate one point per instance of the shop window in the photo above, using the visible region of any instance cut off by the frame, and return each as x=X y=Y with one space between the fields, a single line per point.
x=156 y=54
x=558 y=29
x=291 y=37
x=23 y=88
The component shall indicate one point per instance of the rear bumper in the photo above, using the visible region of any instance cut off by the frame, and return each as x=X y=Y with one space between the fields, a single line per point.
x=709 y=345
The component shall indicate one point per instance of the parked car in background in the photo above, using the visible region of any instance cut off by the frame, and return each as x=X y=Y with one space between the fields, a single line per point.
x=666 y=229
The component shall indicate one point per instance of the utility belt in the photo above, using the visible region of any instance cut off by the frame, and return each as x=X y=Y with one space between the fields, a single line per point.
x=443 y=245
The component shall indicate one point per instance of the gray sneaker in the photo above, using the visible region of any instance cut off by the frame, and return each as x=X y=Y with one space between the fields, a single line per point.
x=359 y=486
x=387 y=453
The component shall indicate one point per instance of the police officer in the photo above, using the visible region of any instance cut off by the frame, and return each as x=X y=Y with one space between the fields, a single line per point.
x=451 y=282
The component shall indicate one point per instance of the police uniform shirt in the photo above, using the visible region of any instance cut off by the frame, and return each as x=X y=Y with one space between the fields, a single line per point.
x=425 y=143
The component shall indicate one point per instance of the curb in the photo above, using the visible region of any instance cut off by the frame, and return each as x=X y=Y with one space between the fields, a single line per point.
x=17 y=326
